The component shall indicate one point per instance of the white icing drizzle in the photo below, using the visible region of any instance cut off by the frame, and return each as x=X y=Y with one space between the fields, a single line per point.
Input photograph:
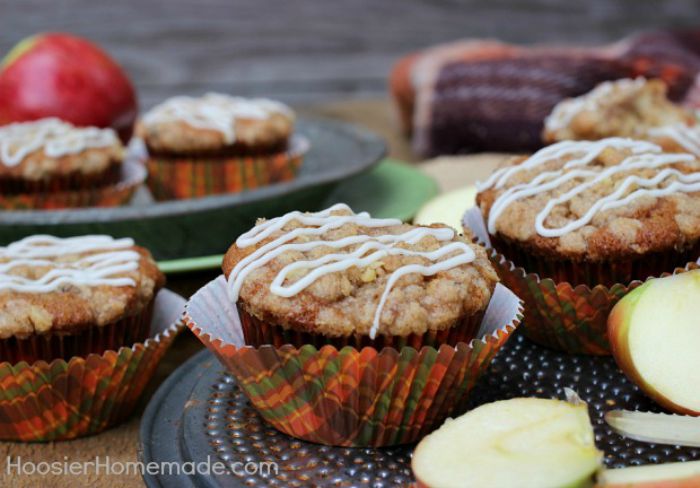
x=370 y=249
x=55 y=137
x=686 y=136
x=214 y=111
x=111 y=258
x=587 y=150
x=643 y=155
x=564 y=112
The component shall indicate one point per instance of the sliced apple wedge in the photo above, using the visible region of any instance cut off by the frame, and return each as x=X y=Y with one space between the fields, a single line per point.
x=671 y=475
x=654 y=332
x=524 y=442
x=447 y=208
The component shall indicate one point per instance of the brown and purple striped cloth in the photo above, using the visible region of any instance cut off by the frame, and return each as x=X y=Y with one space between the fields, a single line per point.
x=484 y=95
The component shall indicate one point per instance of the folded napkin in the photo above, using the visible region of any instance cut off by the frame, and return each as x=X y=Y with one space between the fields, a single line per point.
x=486 y=95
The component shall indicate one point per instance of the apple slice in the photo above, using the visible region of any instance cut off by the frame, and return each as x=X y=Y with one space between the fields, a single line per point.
x=670 y=475
x=520 y=442
x=654 y=332
x=447 y=208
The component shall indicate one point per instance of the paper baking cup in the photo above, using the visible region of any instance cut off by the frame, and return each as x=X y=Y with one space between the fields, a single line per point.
x=90 y=340
x=133 y=175
x=188 y=177
x=351 y=397
x=558 y=314
x=85 y=395
x=257 y=333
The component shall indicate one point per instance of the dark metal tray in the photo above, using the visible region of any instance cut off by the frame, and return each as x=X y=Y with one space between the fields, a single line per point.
x=199 y=412
x=173 y=229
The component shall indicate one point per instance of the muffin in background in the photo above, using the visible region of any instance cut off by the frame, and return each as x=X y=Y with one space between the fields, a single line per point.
x=65 y=297
x=49 y=155
x=579 y=224
x=596 y=212
x=635 y=108
x=218 y=144
x=335 y=277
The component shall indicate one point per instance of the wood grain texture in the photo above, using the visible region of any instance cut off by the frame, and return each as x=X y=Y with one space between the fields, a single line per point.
x=313 y=50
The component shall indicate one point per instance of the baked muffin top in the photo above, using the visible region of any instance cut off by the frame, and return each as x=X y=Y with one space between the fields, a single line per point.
x=595 y=201
x=339 y=273
x=51 y=284
x=50 y=147
x=621 y=108
x=215 y=122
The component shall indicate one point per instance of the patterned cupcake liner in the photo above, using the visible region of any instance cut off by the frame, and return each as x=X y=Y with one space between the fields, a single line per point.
x=606 y=273
x=91 y=340
x=351 y=397
x=76 y=180
x=133 y=175
x=62 y=400
x=190 y=177
x=558 y=314
x=258 y=333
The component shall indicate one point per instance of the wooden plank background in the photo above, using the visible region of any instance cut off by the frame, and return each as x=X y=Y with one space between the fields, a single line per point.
x=313 y=50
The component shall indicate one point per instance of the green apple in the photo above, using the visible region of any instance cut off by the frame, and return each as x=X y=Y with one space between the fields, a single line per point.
x=654 y=332
x=524 y=442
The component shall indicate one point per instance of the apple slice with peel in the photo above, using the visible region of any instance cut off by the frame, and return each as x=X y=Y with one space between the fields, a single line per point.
x=654 y=332
x=524 y=442
x=670 y=475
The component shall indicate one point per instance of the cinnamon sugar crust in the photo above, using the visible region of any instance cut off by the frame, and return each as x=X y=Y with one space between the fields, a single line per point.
x=260 y=126
x=645 y=225
x=73 y=308
x=622 y=108
x=90 y=161
x=344 y=303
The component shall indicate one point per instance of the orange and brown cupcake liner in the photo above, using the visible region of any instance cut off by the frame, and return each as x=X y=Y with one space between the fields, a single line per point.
x=89 y=340
x=258 y=332
x=561 y=315
x=132 y=175
x=64 y=399
x=190 y=177
x=351 y=396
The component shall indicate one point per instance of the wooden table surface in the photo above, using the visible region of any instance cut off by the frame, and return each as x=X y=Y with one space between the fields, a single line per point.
x=121 y=443
x=313 y=50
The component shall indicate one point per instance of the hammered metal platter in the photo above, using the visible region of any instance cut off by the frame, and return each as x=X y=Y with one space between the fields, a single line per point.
x=200 y=413
x=173 y=229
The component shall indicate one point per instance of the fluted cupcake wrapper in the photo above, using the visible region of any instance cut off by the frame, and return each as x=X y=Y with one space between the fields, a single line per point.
x=60 y=400
x=189 y=177
x=349 y=396
x=258 y=332
x=91 y=340
x=133 y=175
x=558 y=314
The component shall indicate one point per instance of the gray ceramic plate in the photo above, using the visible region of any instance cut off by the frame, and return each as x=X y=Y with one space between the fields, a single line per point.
x=204 y=226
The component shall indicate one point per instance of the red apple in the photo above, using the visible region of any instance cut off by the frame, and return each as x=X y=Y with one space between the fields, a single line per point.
x=64 y=76
x=655 y=336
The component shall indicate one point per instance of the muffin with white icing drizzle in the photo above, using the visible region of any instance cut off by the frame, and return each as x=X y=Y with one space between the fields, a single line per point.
x=595 y=212
x=218 y=144
x=50 y=155
x=64 y=297
x=349 y=279
x=217 y=124
x=636 y=108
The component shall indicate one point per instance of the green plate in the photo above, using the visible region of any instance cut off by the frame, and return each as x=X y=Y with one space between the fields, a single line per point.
x=392 y=189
